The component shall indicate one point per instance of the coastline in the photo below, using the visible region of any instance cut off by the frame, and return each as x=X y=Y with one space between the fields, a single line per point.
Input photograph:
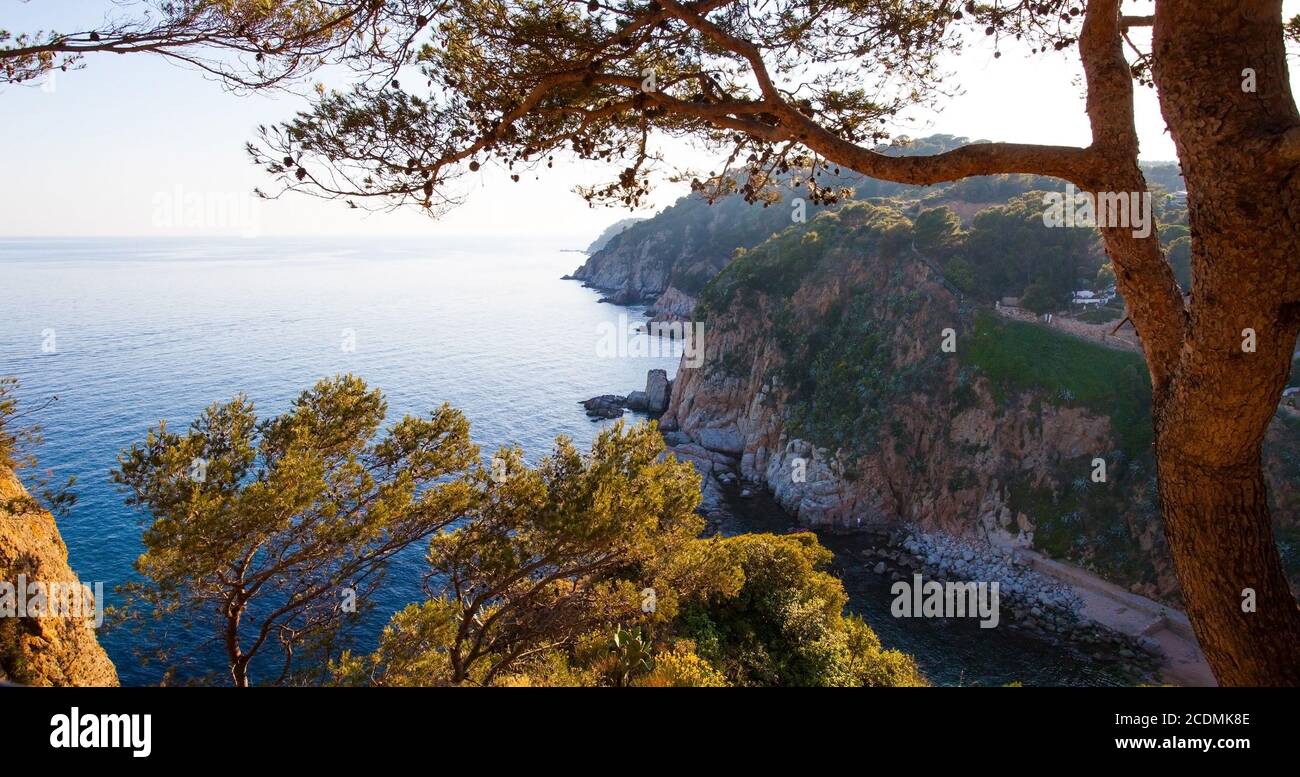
x=1058 y=603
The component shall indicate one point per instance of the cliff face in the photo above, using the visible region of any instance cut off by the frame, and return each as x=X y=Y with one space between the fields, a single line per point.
x=673 y=305
x=51 y=650
x=825 y=379
x=610 y=232
x=633 y=270
x=683 y=247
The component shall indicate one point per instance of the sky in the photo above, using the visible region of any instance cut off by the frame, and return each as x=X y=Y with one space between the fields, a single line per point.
x=135 y=145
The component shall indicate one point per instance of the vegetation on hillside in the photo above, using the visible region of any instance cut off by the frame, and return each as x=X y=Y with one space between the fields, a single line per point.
x=611 y=232
x=1079 y=520
x=1018 y=356
x=779 y=266
x=842 y=374
x=19 y=441
x=999 y=248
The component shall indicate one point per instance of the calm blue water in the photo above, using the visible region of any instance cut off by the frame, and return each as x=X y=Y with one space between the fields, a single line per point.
x=160 y=328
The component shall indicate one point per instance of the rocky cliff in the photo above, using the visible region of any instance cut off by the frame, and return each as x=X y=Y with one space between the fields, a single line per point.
x=673 y=305
x=843 y=375
x=610 y=232
x=51 y=650
x=684 y=246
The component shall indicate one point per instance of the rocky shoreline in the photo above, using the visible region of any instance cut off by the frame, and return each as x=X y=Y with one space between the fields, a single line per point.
x=962 y=467
x=1029 y=601
x=652 y=400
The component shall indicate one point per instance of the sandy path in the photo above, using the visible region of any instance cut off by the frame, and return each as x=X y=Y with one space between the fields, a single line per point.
x=1136 y=616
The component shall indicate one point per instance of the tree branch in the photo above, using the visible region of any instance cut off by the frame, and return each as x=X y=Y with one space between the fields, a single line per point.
x=1155 y=303
x=1069 y=163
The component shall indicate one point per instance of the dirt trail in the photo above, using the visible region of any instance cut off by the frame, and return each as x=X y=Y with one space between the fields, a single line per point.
x=1125 y=339
x=1136 y=616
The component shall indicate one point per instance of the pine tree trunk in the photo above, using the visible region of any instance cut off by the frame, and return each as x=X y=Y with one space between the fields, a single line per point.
x=1239 y=603
x=1220 y=68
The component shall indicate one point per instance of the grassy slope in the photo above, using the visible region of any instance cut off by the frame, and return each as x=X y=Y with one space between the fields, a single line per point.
x=1018 y=356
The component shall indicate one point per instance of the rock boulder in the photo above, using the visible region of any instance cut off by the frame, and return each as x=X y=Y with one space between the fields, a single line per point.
x=657 y=391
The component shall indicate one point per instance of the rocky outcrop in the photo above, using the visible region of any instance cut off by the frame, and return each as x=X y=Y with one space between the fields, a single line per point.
x=656 y=391
x=825 y=380
x=611 y=232
x=653 y=400
x=631 y=271
x=691 y=241
x=52 y=649
x=672 y=305
x=681 y=248
x=605 y=406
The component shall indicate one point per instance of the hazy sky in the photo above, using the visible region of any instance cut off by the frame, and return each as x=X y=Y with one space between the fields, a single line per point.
x=109 y=149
